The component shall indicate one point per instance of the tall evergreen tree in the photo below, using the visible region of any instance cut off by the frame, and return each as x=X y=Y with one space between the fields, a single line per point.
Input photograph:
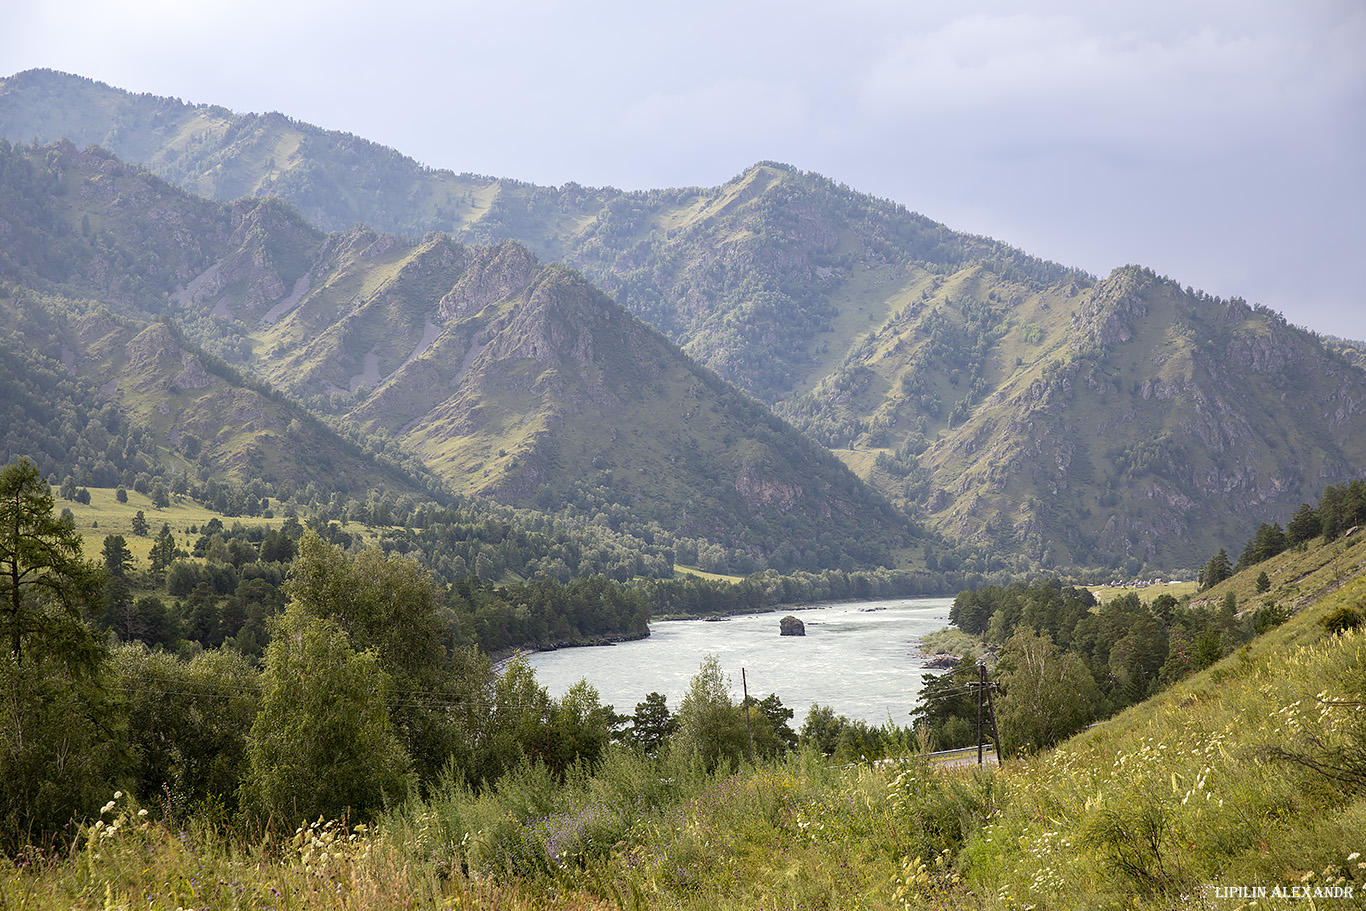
x=1216 y=570
x=652 y=723
x=45 y=586
x=1304 y=526
x=58 y=743
x=118 y=598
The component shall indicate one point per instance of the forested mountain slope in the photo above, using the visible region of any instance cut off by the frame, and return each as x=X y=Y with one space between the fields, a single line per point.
x=767 y=279
x=507 y=377
x=105 y=399
x=1129 y=420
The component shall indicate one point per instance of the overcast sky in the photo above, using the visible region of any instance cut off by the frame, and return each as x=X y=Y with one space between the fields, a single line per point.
x=1220 y=143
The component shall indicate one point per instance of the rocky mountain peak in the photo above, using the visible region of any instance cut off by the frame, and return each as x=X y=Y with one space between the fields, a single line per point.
x=491 y=274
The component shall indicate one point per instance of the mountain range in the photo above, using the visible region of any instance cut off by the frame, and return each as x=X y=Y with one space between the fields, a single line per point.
x=505 y=377
x=977 y=392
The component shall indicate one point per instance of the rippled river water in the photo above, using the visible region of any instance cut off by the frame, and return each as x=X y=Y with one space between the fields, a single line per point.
x=861 y=659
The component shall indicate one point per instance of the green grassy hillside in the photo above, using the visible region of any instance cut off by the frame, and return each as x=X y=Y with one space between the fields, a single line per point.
x=104 y=515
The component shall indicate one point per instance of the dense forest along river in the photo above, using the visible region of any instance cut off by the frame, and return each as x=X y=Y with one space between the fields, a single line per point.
x=859 y=658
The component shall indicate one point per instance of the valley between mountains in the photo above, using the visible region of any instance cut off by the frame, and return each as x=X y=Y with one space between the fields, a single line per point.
x=304 y=443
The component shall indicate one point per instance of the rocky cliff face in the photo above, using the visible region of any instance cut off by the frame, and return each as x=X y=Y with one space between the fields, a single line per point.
x=490 y=274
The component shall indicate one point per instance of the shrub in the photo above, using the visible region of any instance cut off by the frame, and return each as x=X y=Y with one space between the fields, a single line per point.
x=1343 y=618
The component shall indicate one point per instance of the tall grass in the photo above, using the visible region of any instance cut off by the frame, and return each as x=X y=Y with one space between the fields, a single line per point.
x=1242 y=776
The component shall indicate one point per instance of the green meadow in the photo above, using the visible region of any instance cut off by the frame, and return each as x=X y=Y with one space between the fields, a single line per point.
x=104 y=515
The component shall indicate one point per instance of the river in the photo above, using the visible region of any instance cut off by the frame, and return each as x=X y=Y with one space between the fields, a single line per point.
x=859 y=658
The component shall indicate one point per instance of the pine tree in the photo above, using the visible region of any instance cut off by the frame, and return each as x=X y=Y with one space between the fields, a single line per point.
x=1216 y=570
x=652 y=723
x=40 y=563
x=1304 y=526
x=118 y=598
x=54 y=757
x=163 y=553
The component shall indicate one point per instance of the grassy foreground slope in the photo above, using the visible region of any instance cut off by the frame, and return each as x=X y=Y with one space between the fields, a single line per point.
x=1250 y=775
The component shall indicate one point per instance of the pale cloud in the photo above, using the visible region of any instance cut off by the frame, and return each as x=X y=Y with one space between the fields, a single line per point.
x=1060 y=81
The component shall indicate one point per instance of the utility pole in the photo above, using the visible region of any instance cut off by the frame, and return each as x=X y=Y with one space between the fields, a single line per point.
x=981 y=685
x=749 y=731
x=984 y=688
x=995 y=734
